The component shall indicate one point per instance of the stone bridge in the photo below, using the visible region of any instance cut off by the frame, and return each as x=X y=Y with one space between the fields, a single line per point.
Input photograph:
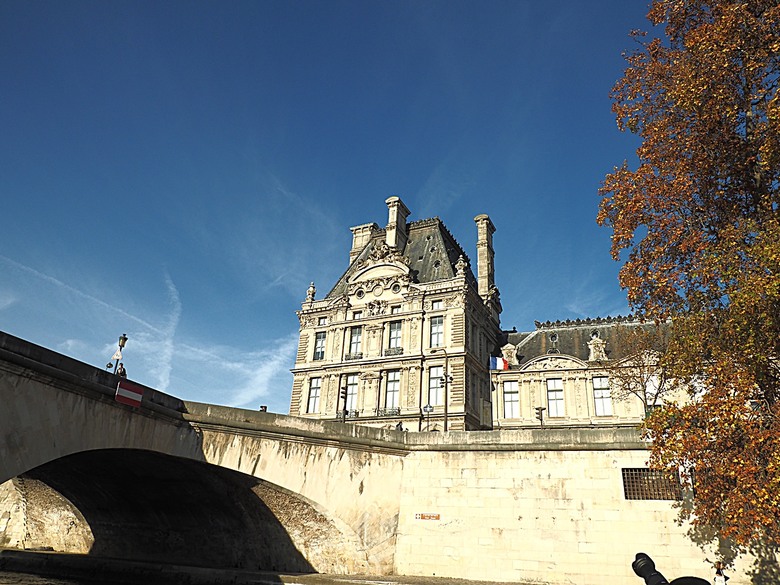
x=197 y=484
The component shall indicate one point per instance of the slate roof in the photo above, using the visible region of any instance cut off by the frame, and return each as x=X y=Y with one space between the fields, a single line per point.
x=431 y=250
x=571 y=338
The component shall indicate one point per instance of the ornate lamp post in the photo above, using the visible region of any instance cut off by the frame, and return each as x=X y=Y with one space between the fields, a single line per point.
x=118 y=355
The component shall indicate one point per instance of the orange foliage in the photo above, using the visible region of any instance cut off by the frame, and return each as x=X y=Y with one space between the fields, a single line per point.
x=699 y=223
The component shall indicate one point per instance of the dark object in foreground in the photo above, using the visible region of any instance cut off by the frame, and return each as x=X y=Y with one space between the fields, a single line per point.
x=644 y=567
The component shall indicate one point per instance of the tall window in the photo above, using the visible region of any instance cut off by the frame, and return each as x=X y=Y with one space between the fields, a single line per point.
x=393 y=389
x=355 y=333
x=394 y=340
x=435 y=386
x=602 y=396
x=437 y=331
x=555 y=397
x=352 y=391
x=511 y=400
x=319 y=345
x=313 y=404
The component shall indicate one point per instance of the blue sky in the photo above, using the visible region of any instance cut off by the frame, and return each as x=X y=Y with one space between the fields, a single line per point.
x=179 y=171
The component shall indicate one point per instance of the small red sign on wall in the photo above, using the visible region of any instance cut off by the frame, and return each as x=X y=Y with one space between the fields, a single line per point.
x=427 y=516
x=129 y=393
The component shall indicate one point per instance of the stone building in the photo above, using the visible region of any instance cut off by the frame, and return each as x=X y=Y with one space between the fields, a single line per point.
x=405 y=335
x=560 y=367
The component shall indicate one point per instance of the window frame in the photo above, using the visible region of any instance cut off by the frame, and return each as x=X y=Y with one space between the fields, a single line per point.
x=394 y=335
x=355 y=339
x=602 y=397
x=556 y=408
x=436 y=331
x=435 y=385
x=393 y=388
x=313 y=400
x=515 y=396
x=351 y=385
x=319 y=345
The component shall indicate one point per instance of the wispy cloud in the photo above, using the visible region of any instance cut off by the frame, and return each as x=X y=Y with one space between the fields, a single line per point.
x=168 y=333
x=79 y=293
x=266 y=372
x=6 y=300
x=445 y=186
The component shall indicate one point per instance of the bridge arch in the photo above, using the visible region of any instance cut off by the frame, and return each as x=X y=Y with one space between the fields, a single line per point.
x=346 y=484
x=135 y=504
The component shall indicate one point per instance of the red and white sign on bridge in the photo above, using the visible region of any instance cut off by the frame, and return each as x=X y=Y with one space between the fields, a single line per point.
x=129 y=393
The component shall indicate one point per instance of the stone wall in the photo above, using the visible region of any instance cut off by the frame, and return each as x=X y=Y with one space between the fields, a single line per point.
x=519 y=510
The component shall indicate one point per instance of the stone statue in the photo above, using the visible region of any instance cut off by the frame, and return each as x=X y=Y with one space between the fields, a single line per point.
x=509 y=353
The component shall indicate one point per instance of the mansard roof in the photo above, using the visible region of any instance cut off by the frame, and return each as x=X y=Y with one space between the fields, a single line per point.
x=571 y=337
x=431 y=253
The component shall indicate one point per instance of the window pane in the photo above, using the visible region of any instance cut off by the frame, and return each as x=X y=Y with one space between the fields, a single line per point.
x=319 y=346
x=602 y=396
x=352 y=391
x=313 y=404
x=511 y=400
x=393 y=389
x=435 y=386
x=354 y=339
x=394 y=341
x=555 y=397
x=437 y=331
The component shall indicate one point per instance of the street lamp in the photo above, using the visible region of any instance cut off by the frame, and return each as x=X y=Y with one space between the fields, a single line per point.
x=428 y=409
x=118 y=355
x=445 y=380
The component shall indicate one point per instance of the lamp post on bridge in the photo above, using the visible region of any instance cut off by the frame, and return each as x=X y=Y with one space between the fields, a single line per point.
x=118 y=354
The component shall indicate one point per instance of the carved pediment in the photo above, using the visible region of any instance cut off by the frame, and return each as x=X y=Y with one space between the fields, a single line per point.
x=377 y=278
x=554 y=362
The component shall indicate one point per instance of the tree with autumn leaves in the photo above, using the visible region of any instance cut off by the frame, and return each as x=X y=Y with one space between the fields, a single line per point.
x=697 y=223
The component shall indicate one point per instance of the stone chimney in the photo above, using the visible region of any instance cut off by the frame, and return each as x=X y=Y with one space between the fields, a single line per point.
x=396 y=223
x=485 y=265
x=361 y=236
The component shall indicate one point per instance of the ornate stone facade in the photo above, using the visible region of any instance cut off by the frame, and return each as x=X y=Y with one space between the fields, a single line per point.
x=404 y=337
x=560 y=368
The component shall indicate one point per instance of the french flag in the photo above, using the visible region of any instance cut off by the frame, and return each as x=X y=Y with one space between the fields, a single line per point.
x=497 y=363
x=129 y=393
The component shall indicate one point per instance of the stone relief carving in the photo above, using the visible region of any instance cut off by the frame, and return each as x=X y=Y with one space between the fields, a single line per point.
x=382 y=253
x=452 y=301
x=460 y=266
x=306 y=320
x=553 y=364
x=597 y=348
x=377 y=286
x=377 y=307
x=509 y=353
x=411 y=387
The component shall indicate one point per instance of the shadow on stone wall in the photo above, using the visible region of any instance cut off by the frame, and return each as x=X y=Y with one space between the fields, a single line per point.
x=138 y=505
